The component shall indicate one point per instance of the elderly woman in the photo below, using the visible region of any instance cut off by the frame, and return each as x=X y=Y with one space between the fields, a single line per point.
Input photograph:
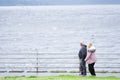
x=91 y=58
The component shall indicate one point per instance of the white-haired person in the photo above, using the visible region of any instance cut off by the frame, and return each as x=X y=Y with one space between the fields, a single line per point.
x=91 y=58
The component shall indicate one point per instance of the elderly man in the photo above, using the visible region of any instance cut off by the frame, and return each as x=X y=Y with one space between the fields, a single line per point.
x=82 y=55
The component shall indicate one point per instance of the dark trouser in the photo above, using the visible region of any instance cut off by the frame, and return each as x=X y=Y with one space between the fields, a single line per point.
x=91 y=69
x=83 y=68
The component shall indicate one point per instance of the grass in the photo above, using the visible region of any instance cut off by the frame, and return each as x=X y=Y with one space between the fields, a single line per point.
x=62 y=77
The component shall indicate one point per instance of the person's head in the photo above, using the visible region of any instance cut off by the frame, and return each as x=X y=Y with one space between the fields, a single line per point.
x=81 y=44
x=89 y=45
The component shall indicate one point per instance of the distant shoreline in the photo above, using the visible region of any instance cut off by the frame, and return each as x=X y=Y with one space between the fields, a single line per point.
x=60 y=5
x=64 y=5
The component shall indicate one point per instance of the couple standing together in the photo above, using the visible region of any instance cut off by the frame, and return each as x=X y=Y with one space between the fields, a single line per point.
x=87 y=55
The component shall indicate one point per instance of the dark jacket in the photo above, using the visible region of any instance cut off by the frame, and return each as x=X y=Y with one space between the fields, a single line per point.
x=83 y=52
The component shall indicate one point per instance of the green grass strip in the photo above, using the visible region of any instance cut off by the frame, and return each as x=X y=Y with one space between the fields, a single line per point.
x=61 y=77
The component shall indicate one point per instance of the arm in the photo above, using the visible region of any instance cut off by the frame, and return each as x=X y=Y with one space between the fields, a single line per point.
x=88 y=55
x=80 y=54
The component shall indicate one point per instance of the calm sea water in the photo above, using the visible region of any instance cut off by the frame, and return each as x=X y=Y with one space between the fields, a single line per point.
x=59 y=28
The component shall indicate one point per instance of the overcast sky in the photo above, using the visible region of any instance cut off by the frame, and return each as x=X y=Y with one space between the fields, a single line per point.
x=57 y=2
